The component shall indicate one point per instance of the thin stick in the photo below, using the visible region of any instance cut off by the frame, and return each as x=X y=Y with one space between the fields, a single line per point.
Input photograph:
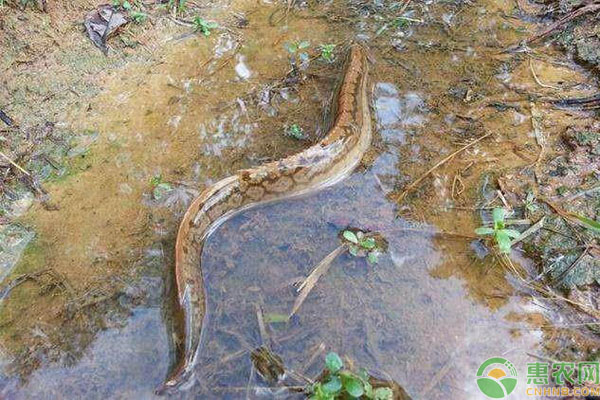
x=536 y=124
x=7 y=158
x=264 y=334
x=537 y=80
x=566 y=19
x=533 y=229
x=314 y=276
x=413 y=185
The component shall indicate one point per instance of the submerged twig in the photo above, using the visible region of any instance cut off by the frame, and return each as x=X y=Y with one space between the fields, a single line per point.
x=537 y=80
x=413 y=185
x=317 y=272
x=539 y=137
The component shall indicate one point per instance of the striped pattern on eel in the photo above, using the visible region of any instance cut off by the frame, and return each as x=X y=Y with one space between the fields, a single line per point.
x=319 y=166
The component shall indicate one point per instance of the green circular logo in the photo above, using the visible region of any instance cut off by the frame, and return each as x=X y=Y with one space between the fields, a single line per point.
x=497 y=378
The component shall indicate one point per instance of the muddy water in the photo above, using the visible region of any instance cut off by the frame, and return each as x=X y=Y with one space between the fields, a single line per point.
x=427 y=315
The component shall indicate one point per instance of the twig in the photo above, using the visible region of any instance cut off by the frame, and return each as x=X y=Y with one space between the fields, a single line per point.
x=264 y=334
x=413 y=185
x=566 y=19
x=531 y=230
x=311 y=280
x=539 y=137
x=6 y=119
x=537 y=80
x=579 y=194
x=7 y=158
x=570 y=268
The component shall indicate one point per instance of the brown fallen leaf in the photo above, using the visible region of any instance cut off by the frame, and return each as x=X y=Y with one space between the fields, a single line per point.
x=101 y=23
x=311 y=280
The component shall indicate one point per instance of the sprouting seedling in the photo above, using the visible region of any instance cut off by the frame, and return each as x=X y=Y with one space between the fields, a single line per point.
x=296 y=50
x=327 y=52
x=203 y=26
x=362 y=245
x=294 y=47
x=295 y=131
x=341 y=383
x=138 y=16
x=159 y=187
x=501 y=234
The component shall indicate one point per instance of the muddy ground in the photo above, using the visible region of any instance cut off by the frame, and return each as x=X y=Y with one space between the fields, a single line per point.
x=102 y=152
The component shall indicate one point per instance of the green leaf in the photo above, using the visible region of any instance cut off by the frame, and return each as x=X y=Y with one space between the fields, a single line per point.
x=503 y=241
x=363 y=374
x=368 y=389
x=368 y=243
x=588 y=222
x=351 y=237
x=383 y=394
x=303 y=44
x=373 y=257
x=512 y=233
x=333 y=362
x=353 y=385
x=498 y=215
x=333 y=386
x=290 y=47
x=161 y=190
x=353 y=250
x=276 y=318
x=127 y=5
x=484 y=231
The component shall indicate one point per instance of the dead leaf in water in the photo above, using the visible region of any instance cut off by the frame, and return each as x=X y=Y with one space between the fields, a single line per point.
x=101 y=23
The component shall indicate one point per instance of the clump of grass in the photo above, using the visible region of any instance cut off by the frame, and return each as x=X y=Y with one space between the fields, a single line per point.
x=361 y=244
x=501 y=234
x=297 y=52
x=327 y=52
x=135 y=14
x=295 y=131
x=160 y=188
x=341 y=383
x=203 y=26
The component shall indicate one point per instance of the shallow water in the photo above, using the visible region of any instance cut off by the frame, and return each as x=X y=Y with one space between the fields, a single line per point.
x=426 y=315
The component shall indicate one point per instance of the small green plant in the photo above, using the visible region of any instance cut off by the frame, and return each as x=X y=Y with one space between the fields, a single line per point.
x=295 y=131
x=340 y=383
x=138 y=17
x=125 y=5
x=327 y=52
x=159 y=187
x=362 y=245
x=177 y=6
x=296 y=46
x=501 y=234
x=296 y=52
x=203 y=26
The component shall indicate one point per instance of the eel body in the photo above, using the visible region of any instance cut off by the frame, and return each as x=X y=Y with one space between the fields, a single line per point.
x=319 y=166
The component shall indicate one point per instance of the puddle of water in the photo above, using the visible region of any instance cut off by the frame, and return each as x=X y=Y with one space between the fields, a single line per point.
x=398 y=318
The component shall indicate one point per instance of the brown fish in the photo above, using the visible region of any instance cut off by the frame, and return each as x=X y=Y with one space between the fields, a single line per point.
x=319 y=166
